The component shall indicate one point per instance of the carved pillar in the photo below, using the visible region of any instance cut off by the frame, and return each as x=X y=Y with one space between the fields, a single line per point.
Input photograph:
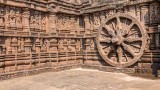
x=7 y=18
x=87 y=23
x=144 y=13
x=38 y=45
x=53 y=45
x=96 y=21
x=25 y=19
x=102 y=17
x=14 y=45
x=72 y=25
x=7 y=45
x=27 y=45
x=138 y=12
x=2 y=16
x=77 y=26
x=52 y=22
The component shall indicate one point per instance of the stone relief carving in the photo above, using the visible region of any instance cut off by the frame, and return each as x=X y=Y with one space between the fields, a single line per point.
x=96 y=20
x=154 y=13
x=12 y=17
x=71 y=27
x=32 y=22
x=18 y=18
x=43 y=22
x=2 y=14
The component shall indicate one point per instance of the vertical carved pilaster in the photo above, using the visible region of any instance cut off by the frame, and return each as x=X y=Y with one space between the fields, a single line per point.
x=52 y=22
x=25 y=19
x=102 y=17
x=96 y=21
x=144 y=13
x=72 y=25
x=7 y=18
x=87 y=23
x=138 y=12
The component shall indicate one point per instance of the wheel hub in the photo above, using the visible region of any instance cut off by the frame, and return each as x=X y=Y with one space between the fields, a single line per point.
x=118 y=39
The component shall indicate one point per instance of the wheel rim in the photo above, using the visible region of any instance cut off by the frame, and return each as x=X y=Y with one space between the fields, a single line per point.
x=121 y=40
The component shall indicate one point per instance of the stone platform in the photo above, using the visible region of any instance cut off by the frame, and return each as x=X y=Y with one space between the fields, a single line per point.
x=80 y=79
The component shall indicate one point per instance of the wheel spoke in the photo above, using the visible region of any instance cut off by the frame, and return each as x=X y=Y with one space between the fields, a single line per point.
x=119 y=25
x=132 y=39
x=135 y=46
x=132 y=34
x=104 y=34
x=126 y=57
x=128 y=28
x=126 y=47
x=113 y=25
x=110 y=31
x=106 y=40
x=120 y=54
x=108 y=50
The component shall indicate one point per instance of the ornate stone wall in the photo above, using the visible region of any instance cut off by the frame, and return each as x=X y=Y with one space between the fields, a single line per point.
x=50 y=33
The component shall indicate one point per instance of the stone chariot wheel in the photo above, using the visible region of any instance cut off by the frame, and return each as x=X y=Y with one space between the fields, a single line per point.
x=121 y=40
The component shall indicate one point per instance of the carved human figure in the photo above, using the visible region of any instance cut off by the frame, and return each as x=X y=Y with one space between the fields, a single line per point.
x=7 y=19
x=47 y=44
x=78 y=45
x=19 y=45
x=38 y=45
x=43 y=49
x=88 y=47
x=37 y=20
x=44 y=46
x=8 y=45
x=27 y=45
x=14 y=44
x=69 y=45
x=22 y=44
x=43 y=23
x=154 y=13
x=18 y=19
x=1 y=17
x=32 y=22
x=96 y=21
x=92 y=44
x=132 y=10
x=12 y=18
x=65 y=42
x=52 y=45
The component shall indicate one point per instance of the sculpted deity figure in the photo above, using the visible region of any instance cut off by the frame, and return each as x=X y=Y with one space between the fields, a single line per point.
x=37 y=20
x=43 y=23
x=43 y=49
x=7 y=18
x=19 y=45
x=61 y=44
x=88 y=42
x=1 y=17
x=8 y=46
x=154 y=15
x=69 y=45
x=92 y=44
x=12 y=18
x=32 y=22
x=78 y=45
x=45 y=46
x=18 y=19
x=96 y=21
x=22 y=44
